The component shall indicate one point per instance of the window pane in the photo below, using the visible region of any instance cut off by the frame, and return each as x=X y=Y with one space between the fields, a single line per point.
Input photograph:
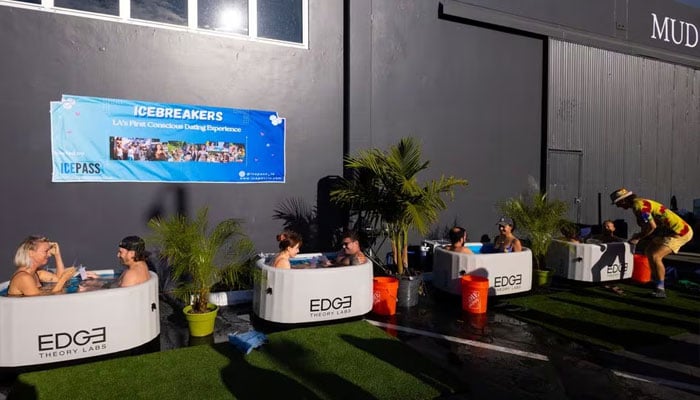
x=110 y=7
x=280 y=19
x=223 y=15
x=166 y=11
x=30 y=1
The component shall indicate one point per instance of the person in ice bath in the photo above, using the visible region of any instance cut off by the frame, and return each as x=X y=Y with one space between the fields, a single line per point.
x=32 y=256
x=505 y=241
x=289 y=245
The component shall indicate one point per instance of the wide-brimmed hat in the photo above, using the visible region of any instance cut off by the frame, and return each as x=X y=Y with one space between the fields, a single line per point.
x=620 y=194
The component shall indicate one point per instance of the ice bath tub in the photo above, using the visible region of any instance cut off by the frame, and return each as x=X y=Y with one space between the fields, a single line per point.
x=507 y=273
x=66 y=327
x=589 y=262
x=293 y=296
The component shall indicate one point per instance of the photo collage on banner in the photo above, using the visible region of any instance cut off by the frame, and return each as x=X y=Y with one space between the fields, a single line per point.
x=114 y=140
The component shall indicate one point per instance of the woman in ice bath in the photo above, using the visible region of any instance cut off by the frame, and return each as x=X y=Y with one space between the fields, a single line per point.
x=31 y=256
x=289 y=244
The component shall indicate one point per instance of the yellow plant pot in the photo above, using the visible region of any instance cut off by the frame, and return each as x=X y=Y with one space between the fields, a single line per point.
x=543 y=277
x=201 y=324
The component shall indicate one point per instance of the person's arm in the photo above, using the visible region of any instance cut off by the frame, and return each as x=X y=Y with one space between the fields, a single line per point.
x=517 y=246
x=361 y=257
x=56 y=253
x=62 y=279
x=647 y=229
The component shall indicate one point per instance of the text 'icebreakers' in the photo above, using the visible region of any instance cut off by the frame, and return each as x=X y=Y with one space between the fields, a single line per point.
x=178 y=113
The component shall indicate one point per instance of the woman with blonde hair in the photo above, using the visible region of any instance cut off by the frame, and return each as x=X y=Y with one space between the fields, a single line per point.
x=31 y=256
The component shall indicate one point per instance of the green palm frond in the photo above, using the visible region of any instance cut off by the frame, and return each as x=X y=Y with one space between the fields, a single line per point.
x=384 y=185
x=200 y=258
x=537 y=217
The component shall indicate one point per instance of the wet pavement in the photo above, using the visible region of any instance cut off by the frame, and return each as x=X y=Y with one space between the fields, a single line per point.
x=500 y=357
x=497 y=356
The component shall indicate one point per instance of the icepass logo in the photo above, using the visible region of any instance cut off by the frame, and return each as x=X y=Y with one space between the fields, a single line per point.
x=61 y=340
x=81 y=168
x=503 y=281
x=337 y=303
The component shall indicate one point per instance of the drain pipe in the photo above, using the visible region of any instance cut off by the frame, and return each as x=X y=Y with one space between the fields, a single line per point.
x=600 y=220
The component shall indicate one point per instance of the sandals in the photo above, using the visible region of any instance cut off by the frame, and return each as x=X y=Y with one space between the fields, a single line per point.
x=615 y=290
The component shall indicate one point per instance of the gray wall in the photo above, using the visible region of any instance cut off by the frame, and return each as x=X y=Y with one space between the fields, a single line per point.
x=46 y=55
x=472 y=90
x=473 y=95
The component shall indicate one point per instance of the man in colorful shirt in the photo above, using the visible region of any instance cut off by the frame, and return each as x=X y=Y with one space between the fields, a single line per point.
x=670 y=232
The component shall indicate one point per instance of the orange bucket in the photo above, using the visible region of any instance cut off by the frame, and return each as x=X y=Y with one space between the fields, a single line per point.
x=385 y=290
x=642 y=271
x=475 y=294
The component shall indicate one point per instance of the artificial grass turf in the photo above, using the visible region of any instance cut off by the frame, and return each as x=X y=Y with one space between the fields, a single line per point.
x=596 y=315
x=351 y=360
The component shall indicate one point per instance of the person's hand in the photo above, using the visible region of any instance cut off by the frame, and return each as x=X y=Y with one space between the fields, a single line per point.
x=91 y=275
x=54 y=249
x=67 y=274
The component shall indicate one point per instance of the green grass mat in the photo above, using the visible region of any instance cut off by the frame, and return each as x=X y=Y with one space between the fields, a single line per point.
x=344 y=361
x=596 y=315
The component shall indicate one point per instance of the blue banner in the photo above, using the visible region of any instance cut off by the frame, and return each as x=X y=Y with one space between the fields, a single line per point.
x=112 y=140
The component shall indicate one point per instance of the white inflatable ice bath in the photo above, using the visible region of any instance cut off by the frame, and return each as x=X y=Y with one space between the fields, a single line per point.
x=507 y=273
x=64 y=327
x=293 y=296
x=589 y=262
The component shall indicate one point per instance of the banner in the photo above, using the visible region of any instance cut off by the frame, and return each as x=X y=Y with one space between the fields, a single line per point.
x=113 y=140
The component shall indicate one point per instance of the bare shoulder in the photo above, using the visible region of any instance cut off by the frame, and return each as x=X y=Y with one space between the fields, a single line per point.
x=22 y=283
x=134 y=276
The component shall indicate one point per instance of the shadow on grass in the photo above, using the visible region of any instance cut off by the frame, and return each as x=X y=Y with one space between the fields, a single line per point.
x=246 y=381
x=297 y=360
x=580 y=330
x=636 y=315
x=404 y=358
x=634 y=298
x=22 y=391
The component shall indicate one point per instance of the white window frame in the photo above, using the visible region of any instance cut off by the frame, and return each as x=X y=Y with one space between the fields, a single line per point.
x=192 y=19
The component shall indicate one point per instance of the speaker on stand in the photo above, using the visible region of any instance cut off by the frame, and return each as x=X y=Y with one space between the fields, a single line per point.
x=331 y=218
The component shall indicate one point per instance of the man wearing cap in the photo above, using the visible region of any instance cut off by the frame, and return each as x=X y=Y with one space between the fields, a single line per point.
x=670 y=232
x=505 y=241
x=132 y=254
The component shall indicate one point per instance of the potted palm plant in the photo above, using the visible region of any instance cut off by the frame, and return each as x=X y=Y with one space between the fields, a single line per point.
x=200 y=258
x=384 y=186
x=540 y=219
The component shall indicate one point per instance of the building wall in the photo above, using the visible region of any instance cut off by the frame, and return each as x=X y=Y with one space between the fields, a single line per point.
x=663 y=29
x=469 y=78
x=45 y=55
x=633 y=120
x=472 y=95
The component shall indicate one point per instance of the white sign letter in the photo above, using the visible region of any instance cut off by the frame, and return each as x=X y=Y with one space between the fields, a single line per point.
x=662 y=31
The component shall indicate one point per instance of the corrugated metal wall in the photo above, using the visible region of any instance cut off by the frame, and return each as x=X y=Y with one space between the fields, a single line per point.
x=635 y=121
